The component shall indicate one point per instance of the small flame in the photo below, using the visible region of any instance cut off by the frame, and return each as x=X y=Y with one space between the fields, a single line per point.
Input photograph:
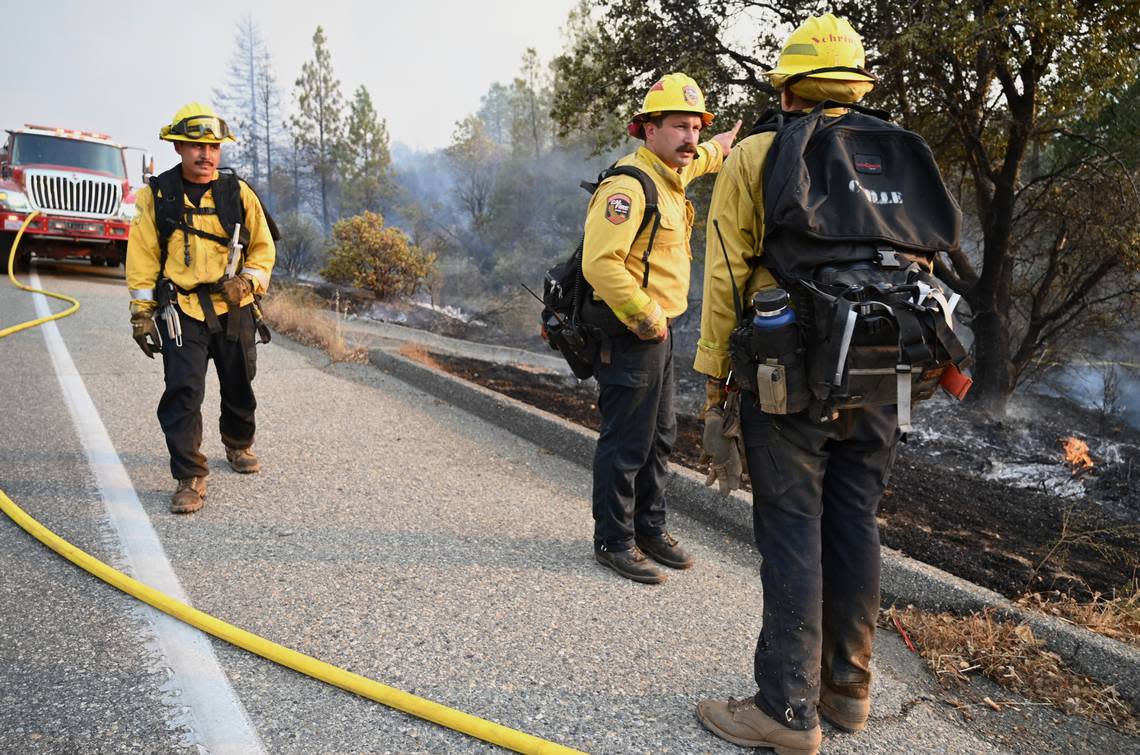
x=1077 y=454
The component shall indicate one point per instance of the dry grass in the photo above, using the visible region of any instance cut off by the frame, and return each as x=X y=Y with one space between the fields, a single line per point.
x=1008 y=653
x=418 y=353
x=1117 y=617
x=294 y=312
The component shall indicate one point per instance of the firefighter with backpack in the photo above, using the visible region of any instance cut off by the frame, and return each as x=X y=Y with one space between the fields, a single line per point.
x=820 y=306
x=636 y=258
x=200 y=249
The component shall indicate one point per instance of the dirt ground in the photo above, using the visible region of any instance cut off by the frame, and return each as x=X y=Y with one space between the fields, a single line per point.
x=992 y=502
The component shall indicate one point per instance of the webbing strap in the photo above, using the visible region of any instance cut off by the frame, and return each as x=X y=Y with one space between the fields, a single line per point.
x=912 y=349
x=207 y=304
x=649 y=247
x=845 y=317
x=903 y=383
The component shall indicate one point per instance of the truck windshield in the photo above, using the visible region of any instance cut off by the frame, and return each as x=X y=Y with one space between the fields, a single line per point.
x=34 y=149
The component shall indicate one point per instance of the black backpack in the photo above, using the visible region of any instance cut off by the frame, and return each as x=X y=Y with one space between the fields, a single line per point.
x=855 y=211
x=572 y=322
x=170 y=213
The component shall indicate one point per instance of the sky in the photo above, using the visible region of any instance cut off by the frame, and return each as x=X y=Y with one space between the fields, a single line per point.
x=123 y=68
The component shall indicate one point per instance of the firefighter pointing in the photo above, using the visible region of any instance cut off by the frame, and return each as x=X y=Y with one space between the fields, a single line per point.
x=200 y=250
x=636 y=256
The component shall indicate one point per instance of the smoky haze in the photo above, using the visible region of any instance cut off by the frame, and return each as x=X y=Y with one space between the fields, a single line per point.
x=124 y=68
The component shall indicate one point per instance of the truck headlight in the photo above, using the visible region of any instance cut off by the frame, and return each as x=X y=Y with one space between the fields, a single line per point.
x=14 y=200
x=127 y=210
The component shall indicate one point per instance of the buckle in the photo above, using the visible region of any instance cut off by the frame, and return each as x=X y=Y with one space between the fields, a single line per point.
x=888 y=258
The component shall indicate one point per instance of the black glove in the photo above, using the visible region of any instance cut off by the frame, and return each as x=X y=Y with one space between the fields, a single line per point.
x=145 y=333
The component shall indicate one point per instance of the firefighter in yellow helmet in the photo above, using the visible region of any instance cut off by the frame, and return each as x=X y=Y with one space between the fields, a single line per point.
x=193 y=295
x=638 y=265
x=816 y=485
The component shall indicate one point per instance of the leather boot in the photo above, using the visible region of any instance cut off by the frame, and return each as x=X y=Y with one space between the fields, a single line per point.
x=189 y=495
x=243 y=460
x=664 y=549
x=743 y=723
x=631 y=564
x=847 y=713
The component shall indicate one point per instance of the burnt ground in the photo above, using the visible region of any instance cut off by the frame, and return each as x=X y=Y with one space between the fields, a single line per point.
x=992 y=502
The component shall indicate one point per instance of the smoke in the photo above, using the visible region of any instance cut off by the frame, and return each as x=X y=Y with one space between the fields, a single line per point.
x=1109 y=384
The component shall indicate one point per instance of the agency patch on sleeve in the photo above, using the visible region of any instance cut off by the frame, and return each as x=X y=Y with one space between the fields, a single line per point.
x=617 y=208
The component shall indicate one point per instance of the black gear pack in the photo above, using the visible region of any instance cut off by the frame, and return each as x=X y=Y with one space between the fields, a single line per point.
x=572 y=322
x=855 y=211
x=171 y=214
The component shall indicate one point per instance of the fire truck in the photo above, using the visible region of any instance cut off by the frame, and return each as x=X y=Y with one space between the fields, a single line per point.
x=77 y=180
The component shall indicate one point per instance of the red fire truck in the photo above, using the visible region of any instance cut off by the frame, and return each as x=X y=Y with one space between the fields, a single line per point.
x=77 y=180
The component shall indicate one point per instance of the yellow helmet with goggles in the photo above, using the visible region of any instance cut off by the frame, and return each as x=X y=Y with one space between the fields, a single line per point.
x=197 y=122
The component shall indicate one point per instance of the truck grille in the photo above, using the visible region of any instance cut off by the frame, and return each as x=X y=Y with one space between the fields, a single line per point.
x=76 y=194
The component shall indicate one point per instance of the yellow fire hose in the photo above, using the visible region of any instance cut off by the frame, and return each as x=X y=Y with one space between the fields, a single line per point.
x=11 y=276
x=465 y=723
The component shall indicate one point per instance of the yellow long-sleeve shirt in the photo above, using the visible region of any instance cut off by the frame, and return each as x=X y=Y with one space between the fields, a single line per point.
x=737 y=206
x=208 y=258
x=612 y=259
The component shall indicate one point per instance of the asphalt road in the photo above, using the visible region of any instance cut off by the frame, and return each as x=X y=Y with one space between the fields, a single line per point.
x=389 y=533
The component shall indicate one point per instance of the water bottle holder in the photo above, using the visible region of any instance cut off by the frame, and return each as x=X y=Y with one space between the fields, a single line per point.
x=778 y=381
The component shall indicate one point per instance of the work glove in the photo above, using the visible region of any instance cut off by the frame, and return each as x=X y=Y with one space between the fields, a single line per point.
x=235 y=289
x=722 y=447
x=145 y=332
x=651 y=325
x=716 y=394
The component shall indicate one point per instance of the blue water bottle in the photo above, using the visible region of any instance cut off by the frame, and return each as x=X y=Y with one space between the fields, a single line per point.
x=781 y=381
x=774 y=334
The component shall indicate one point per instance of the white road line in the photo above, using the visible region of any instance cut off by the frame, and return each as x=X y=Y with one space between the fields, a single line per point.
x=216 y=716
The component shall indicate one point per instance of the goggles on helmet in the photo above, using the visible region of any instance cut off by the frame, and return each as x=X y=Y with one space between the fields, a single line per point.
x=198 y=126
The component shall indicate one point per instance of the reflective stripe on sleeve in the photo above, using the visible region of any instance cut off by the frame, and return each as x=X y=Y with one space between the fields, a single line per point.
x=143 y=293
x=261 y=276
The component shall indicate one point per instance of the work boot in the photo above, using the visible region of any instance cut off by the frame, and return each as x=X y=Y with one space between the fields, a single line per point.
x=631 y=564
x=242 y=460
x=189 y=496
x=743 y=723
x=664 y=549
x=847 y=713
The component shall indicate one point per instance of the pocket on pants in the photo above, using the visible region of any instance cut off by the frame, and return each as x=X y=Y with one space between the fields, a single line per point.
x=765 y=450
x=248 y=340
x=630 y=362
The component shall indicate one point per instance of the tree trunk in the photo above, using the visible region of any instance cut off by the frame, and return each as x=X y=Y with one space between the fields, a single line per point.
x=993 y=366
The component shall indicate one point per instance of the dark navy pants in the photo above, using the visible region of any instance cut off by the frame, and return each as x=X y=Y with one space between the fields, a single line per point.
x=816 y=489
x=635 y=399
x=184 y=368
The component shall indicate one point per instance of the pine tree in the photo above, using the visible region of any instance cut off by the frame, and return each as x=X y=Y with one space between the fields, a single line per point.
x=367 y=162
x=269 y=118
x=531 y=99
x=238 y=100
x=318 y=127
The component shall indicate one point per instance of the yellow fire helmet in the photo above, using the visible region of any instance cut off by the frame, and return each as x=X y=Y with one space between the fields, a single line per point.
x=823 y=47
x=197 y=122
x=673 y=93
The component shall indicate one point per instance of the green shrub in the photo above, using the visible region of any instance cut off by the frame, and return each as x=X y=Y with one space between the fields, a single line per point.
x=368 y=255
